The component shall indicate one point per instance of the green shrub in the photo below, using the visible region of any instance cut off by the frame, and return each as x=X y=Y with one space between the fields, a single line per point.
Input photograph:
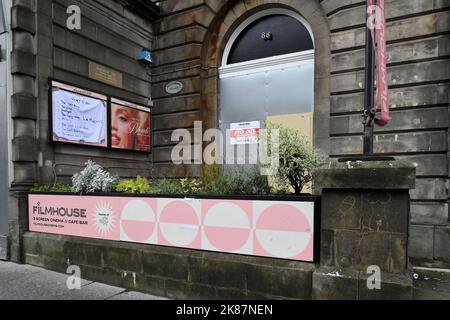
x=241 y=183
x=298 y=160
x=63 y=188
x=256 y=184
x=160 y=186
x=211 y=173
x=166 y=186
x=58 y=188
x=40 y=188
x=225 y=184
x=139 y=185
x=191 y=186
x=186 y=186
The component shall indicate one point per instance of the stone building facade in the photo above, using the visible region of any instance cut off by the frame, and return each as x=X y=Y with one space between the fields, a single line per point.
x=188 y=40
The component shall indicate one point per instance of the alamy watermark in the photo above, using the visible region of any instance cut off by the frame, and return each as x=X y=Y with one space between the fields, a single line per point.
x=74 y=280
x=264 y=151
x=74 y=20
x=374 y=280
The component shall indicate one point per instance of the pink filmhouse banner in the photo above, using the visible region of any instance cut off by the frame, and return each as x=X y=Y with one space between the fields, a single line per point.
x=276 y=229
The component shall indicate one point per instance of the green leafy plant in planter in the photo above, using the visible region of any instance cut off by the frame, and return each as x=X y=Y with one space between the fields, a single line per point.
x=298 y=160
x=142 y=185
x=186 y=186
x=40 y=188
x=63 y=188
x=241 y=183
x=211 y=173
x=191 y=186
x=166 y=186
x=57 y=188
x=139 y=185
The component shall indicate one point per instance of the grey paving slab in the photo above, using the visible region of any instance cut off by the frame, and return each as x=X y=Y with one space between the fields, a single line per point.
x=432 y=284
x=132 y=295
x=23 y=282
x=38 y=285
x=93 y=291
x=10 y=271
x=431 y=294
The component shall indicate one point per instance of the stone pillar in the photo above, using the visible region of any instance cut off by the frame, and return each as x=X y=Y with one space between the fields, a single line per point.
x=365 y=220
x=24 y=142
x=5 y=83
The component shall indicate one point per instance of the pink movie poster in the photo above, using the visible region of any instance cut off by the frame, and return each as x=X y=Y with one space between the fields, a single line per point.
x=277 y=229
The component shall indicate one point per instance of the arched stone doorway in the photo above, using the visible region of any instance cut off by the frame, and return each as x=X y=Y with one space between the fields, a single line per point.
x=267 y=75
x=227 y=24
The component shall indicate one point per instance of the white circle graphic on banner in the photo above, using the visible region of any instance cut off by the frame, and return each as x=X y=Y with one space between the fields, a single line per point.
x=227 y=227
x=283 y=231
x=179 y=224
x=138 y=220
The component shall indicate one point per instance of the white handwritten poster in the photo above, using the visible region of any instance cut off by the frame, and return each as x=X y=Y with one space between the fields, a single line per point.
x=79 y=119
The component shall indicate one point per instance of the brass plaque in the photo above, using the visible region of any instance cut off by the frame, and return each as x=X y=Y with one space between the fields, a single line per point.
x=105 y=75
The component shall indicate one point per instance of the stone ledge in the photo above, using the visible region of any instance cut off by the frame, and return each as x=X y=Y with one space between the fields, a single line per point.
x=335 y=284
x=347 y=284
x=172 y=272
x=374 y=175
x=145 y=9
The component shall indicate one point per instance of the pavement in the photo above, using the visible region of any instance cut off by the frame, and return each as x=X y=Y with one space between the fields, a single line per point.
x=431 y=284
x=24 y=282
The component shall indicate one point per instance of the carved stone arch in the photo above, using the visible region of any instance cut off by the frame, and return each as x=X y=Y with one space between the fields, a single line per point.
x=230 y=15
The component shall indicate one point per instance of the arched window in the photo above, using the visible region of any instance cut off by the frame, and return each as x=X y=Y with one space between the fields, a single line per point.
x=281 y=34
